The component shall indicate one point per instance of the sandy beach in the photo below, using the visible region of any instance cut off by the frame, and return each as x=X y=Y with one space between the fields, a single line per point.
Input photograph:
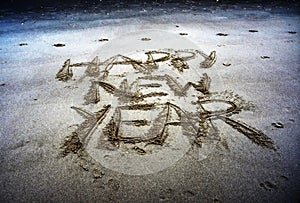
x=150 y=104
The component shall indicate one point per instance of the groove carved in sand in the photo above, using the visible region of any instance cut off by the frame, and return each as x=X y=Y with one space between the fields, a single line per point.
x=141 y=92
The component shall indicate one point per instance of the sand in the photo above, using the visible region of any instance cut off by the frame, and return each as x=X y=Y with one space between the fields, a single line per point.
x=49 y=154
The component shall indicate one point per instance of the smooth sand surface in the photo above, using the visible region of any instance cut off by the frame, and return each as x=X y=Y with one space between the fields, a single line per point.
x=36 y=117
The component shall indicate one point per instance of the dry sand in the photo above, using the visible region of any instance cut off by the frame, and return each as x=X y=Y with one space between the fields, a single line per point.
x=261 y=67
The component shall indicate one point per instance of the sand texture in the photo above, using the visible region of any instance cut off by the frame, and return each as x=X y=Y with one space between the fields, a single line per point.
x=172 y=107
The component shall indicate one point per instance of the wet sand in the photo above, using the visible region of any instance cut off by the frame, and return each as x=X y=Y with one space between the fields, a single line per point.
x=257 y=61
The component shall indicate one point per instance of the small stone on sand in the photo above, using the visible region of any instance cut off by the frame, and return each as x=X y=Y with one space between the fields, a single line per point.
x=222 y=34
x=59 y=45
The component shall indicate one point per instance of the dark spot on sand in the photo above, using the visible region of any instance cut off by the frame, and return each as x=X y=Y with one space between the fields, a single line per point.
x=284 y=177
x=216 y=200
x=23 y=44
x=278 y=125
x=227 y=64
x=2 y=84
x=183 y=33
x=176 y=25
x=253 y=30
x=265 y=57
x=188 y=193
x=292 y=120
x=145 y=39
x=59 y=45
x=19 y=144
x=267 y=185
x=139 y=150
x=102 y=40
x=292 y=32
x=35 y=99
x=222 y=34
x=290 y=40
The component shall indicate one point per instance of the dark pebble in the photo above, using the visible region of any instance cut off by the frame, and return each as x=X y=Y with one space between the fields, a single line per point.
x=278 y=125
x=292 y=32
x=182 y=33
x=227 y=64
x=253 y=31
x=265 y=57
x=145 y=39
x=59 y=45
x=102 y=40
x=23 y=44
x=222 y=34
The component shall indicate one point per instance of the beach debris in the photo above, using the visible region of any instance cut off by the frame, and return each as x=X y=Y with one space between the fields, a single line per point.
x=65 y=73
x=23 y=44
x=264 y=57
x=59 y=45
x=292 y=32
x=253 y=30
x=145 y=39
x=103 y=40
x=227 y=64
x=278 y=125
x=183 y=33
x=222 y=34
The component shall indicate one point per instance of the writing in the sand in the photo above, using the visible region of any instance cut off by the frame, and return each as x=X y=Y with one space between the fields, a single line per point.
x=147 y=88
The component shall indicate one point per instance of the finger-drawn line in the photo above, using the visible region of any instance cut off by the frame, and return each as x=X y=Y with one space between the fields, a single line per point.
x=65 y=73
x=91 y=123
